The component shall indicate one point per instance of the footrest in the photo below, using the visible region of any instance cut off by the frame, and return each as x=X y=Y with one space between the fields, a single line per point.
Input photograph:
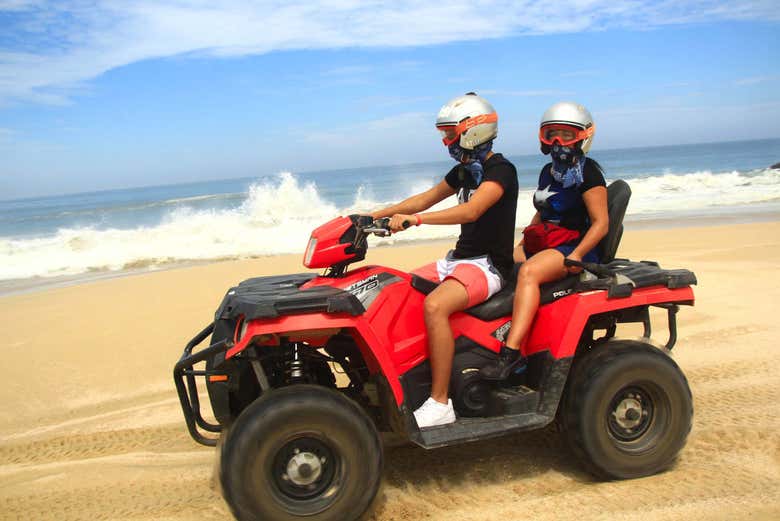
x=513 y=400
x=473 y=429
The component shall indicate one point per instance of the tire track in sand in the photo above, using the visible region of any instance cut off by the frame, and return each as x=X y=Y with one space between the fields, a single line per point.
x=93 y=445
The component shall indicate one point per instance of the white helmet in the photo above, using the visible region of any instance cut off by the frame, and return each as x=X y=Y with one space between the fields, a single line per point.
x=567 y=114
x=468 y=119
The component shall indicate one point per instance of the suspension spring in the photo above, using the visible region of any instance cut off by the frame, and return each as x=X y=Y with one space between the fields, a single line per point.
x=295 y=367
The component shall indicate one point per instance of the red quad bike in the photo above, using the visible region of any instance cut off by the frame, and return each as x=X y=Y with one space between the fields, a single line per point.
x=296 y=441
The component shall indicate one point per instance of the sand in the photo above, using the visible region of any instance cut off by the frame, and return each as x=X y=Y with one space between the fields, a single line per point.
x=90 y=426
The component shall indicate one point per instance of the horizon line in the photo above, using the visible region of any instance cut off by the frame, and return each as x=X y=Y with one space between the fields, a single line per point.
x=306 y=172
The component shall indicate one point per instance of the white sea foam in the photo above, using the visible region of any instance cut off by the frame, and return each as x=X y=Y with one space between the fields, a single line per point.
x=278 y=216
x=670 y=193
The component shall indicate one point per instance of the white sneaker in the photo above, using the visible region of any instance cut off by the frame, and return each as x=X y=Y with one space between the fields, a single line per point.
x=433 y=413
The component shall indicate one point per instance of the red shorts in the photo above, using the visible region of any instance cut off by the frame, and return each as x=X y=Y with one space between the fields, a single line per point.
x=477 y=275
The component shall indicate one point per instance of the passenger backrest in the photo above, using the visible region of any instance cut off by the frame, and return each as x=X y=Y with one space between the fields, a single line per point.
x=618 y=194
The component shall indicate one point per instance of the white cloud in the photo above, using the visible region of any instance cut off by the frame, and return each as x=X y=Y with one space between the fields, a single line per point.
x=580 y=74
x=402 y=126
x=400 y=138
x=677 y=124
x=6 y=137
x=526 y=93
x=62 y=44
x=16 y=5
x=754 y=80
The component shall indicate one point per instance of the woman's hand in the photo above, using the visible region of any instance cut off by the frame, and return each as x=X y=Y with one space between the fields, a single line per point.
x=398 y=220
x=518 y=255
x=575 y=257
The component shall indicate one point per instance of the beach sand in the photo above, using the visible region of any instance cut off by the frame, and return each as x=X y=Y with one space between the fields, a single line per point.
x=90 y=425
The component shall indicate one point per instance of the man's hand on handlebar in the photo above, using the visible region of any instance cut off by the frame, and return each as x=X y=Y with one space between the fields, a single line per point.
x=400 y=222
x=379 y=227
x=384 y=226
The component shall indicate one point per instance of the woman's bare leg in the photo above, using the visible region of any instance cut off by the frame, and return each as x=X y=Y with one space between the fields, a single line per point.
x=545 y=266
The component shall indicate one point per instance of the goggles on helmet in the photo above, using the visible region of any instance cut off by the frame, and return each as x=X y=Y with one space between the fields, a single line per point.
x=451 y=133
x=564 y=135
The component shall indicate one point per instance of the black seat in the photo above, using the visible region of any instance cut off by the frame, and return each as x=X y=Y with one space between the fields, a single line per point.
x=500 y=304
x=618 y=194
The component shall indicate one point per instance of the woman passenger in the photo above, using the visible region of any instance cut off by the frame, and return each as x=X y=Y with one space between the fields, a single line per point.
x=571 y=219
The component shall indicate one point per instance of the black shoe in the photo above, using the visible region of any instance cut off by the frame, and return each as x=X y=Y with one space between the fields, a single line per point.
x=509 y=361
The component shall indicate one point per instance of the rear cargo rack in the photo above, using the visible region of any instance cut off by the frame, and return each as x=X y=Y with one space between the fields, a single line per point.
x=184 y=378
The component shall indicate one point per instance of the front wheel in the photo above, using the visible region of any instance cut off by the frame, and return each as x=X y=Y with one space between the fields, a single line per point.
x=628 y=410
x=301 y=451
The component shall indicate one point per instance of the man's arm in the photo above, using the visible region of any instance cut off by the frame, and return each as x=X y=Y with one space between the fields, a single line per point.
x=488 y=194
x=417 y=203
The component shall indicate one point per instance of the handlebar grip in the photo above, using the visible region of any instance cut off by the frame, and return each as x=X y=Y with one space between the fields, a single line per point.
x=407 y=224
x=384 y=222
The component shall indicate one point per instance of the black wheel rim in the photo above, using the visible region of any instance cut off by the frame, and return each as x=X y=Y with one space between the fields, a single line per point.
x=637 y=416
x=306 y=474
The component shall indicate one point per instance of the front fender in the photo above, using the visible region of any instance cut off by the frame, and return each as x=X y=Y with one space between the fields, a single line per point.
x=375 y=354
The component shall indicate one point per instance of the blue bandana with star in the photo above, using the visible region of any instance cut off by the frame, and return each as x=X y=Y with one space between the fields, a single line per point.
x=567 y=165
x=475 y=158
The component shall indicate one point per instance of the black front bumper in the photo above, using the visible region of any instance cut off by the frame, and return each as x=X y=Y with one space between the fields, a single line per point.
x=184 y=378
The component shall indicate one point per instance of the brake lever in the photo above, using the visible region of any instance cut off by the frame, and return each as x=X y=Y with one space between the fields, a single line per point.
x=381 y=227
x=379 y=232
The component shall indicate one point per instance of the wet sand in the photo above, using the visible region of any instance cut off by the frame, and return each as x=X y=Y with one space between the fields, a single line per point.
x=90 y=426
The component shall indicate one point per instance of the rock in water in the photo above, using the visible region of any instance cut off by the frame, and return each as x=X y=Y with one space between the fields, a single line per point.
x=776 y=166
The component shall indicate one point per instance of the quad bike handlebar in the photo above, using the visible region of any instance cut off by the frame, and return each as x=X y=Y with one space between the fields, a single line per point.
x=381 y=227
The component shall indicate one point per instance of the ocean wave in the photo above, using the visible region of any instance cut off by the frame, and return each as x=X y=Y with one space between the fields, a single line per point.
x=705 y=190
x=119 y=208
x=278 y=215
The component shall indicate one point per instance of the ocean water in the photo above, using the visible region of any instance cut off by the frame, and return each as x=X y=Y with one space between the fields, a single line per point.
x=274 y=213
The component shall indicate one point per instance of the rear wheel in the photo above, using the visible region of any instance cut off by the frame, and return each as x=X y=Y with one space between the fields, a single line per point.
x=301 y=451
x=628 y=410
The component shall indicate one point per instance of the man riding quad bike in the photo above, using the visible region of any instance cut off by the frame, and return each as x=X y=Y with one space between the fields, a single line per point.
x=299 y=442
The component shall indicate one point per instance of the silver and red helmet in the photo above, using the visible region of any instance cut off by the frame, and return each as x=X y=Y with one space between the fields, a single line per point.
x=567 y=123
x=468 y=120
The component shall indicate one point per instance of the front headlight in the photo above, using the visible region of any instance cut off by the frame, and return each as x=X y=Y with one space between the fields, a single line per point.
x=309 y=251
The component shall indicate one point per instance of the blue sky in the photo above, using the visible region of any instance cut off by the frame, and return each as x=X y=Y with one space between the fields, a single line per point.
x=130 y=93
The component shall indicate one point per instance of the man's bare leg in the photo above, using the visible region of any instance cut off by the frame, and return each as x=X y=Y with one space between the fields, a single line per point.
x=450 y=296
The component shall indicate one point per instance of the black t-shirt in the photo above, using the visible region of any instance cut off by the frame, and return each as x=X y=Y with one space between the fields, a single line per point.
x=494 y=232
x=565 y=206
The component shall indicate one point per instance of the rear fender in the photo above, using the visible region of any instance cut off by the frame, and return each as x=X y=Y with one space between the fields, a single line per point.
x=559 y=326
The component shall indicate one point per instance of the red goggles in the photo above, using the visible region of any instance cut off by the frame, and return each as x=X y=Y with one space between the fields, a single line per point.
x=451 y=133
x=565 y=135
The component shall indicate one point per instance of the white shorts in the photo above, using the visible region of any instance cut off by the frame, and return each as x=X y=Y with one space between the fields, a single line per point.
x=477 y=274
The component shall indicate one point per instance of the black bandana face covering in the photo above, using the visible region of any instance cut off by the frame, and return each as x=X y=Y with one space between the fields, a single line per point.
x=565 y=156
